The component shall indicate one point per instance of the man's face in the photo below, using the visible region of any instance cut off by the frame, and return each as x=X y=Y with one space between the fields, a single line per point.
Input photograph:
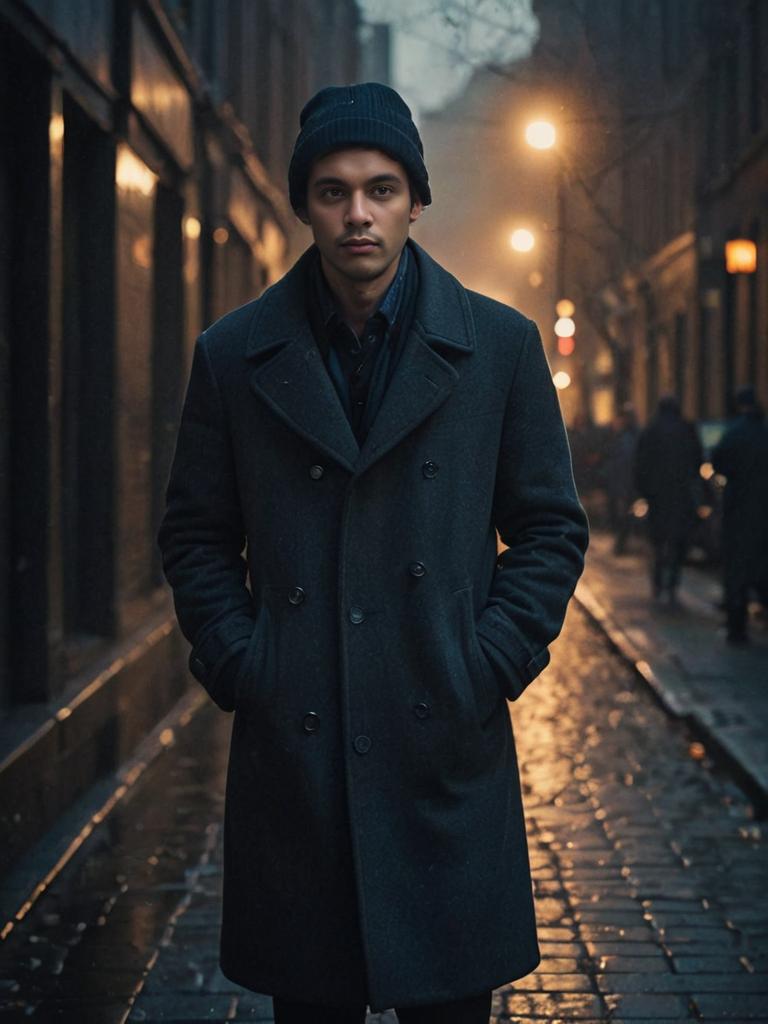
x=359 y=208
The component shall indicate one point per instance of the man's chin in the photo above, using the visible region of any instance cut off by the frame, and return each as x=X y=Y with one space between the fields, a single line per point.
x=363 y=268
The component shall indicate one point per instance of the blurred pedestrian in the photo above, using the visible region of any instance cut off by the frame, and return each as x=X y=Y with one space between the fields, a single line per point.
x=667 y=464
x=618 y=475
x=365 y=427
x=587 y=452
x=742 y=457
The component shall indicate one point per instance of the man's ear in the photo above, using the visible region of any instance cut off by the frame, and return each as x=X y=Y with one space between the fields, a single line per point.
x=416 y=208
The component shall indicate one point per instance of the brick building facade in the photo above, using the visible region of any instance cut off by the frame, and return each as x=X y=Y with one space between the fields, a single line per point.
x=143 y=156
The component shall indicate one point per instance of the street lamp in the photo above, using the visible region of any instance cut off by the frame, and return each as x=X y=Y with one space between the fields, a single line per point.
x=740 y=256
x=540 y=135
x=522 y=240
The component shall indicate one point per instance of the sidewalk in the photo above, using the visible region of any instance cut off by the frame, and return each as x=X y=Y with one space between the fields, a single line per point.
x=681 y=653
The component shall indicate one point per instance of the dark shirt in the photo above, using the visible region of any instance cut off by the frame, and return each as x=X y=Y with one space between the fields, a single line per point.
x=352 y=360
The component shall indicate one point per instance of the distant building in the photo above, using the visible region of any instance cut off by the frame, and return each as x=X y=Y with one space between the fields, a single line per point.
x=376 y=54
x=661 y=110
x=143 y=156
x=690 y=78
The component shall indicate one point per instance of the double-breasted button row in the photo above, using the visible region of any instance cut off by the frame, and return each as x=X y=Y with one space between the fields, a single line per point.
x=316 y=472
x=430 y=469
x=296 y=595
x=311 y=722
x=362 y=744
x=422 y=710
x=417 y=569
x=356 y=615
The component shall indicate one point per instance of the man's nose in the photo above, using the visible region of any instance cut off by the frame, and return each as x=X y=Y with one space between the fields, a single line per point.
x=358 y=209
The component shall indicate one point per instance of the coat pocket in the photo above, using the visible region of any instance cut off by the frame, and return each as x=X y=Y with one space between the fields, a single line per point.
x=485 y=687
x=253 y=673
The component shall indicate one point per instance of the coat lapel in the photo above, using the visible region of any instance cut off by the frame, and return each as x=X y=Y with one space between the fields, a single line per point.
x=423 y=378
x=294 y=381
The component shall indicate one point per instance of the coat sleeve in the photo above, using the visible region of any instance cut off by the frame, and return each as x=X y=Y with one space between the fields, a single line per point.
x=201 y=538
x=538 y=516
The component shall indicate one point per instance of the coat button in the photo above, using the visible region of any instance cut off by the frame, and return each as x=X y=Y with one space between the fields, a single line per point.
x=417 y=569
x=316 y=472
x=356 y=615
x=311 y=722
x=362 y=744
x=421 y=710
x=296 y=595
x=429 y=469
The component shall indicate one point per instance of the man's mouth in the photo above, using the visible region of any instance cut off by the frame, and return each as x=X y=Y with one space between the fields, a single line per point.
x=360 y=245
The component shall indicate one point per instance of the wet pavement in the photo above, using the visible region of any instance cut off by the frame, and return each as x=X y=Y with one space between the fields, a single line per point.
x=682 y=654
x=650 y=873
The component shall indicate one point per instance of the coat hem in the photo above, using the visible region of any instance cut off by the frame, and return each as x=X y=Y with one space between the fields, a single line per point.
x=261 y=986
x=437 y=998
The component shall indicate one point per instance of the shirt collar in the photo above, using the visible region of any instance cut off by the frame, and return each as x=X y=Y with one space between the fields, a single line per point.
x=389 y=306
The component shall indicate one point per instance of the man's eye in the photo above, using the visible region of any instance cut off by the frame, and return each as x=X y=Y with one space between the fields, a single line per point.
x=382 y=190
x=332 y=193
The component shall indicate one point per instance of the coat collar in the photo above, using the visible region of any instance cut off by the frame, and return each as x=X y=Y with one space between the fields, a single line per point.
x=294 y=382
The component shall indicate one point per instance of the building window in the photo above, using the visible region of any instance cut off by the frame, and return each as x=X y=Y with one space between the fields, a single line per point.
x=25 y=200
x=87 y=372
x=756 y=58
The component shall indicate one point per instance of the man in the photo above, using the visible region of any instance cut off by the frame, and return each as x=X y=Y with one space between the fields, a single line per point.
x=365 y=426
x=667 y=462
x=742 y=457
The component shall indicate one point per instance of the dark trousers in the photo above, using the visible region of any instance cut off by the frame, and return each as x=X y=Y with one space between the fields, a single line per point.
x=475 y=1010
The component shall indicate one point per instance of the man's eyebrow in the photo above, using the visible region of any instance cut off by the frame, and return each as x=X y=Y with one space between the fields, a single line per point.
x=377 y=179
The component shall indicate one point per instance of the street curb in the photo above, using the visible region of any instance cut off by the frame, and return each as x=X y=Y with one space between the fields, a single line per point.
x=22 y=887
x=668 y=700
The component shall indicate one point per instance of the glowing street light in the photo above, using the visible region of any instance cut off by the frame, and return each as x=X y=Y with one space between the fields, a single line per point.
x=565 y=308
x=561 y=380
x=540 y=135
x=565 y=327
x=522 y=240
x=740 y=256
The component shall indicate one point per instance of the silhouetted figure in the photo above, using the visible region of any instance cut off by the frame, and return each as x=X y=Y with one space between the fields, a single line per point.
x=586 y=453
x=666 y=472
x=618 y=474
x=742 y=457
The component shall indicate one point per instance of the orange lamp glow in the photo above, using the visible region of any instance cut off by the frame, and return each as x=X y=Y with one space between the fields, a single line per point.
x=565 y=346
x=740 y=256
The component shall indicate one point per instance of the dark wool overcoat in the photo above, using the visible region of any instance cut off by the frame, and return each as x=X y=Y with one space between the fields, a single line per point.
x=742 y=457
x=374 y=837
x=667 y=461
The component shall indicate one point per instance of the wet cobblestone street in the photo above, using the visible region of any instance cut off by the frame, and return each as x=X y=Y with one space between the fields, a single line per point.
x=650 y=873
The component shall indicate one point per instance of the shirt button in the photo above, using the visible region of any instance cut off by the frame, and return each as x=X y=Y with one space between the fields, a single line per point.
x=421 y=710
x=311 y=722
x=316 y=472
x=296 y=595
x=429 y=469
x=356 y=615
x=362 y=744
x=417 y=569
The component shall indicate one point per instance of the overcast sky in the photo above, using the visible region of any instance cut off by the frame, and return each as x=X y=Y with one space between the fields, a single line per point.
x=437 y=43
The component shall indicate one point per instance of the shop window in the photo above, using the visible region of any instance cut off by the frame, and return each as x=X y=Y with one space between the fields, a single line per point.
x=87 y=456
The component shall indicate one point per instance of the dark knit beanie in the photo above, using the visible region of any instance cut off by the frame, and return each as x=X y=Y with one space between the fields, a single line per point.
x=371 y=115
